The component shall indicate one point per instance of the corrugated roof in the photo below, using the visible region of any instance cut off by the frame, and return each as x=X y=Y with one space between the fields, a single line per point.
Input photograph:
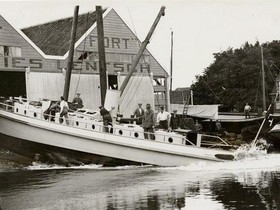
x=53 y=38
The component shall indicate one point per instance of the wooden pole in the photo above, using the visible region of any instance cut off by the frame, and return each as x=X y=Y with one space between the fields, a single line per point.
x=263 y=82
x=171 y=62
x=142 y=49
x=71 y=54
x=101 y=53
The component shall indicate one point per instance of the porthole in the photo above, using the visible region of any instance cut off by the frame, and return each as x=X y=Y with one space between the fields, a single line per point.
x=170 y=140
x=120 y=132
x=25 y=112
x=77 y=123
x=35 y=114
x=93 y=127
x=136 y=135
x=16 y=109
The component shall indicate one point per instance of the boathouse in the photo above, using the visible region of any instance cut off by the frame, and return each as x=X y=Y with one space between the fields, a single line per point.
x=33 y=62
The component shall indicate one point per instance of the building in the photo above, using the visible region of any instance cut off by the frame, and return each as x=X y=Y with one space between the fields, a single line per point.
x=33 y=62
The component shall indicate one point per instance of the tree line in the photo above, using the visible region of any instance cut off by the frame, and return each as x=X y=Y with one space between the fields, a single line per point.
x=235 y=77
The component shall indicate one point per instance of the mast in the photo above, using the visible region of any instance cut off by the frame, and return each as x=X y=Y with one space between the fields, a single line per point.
x=71 y=54
x=142 y=49
x=263 y=82
x=171 y=62
x=101 y=54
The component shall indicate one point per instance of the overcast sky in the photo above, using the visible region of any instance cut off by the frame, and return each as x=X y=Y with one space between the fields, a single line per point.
x=201 y=27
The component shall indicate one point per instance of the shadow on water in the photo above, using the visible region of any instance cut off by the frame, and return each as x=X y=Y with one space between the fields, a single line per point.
x=154 y=188
x=250 y=183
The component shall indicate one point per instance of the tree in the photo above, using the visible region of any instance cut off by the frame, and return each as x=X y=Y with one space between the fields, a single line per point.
x=234 y=77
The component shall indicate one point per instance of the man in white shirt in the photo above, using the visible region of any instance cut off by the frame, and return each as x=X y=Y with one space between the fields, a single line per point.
x=247 y=110
x=63 y=110
x=163 y=118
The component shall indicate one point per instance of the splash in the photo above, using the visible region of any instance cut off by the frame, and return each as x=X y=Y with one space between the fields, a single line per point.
x=252 y=150
x=44 y=166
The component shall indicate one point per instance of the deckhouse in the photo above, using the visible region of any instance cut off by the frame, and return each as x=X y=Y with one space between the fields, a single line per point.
x=33 y=62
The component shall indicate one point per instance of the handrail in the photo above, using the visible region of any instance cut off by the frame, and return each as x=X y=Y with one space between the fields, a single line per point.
x=89 y=123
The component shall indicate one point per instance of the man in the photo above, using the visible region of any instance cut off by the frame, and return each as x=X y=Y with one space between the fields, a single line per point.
x=148 y=123
x=78 y=101
x=163 y=118
x=174 y=121
x=63 y=110
x=138 y=113
x=198 y=127
x=107 y=119
x=247 y=109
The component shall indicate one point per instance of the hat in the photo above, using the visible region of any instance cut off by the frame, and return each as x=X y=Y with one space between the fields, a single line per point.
x=139 y=103
x=78 y=93
x=175 y=110
x=100 y=106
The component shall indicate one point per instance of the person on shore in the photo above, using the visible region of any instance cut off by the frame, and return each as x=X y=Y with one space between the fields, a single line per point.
x=138 y=113
x=174 y=121
x=63 y=110
x=107 y=119
x=78 y=102
x=218 y=126
x=247 y=110
x=148 y=123
x=163 y=118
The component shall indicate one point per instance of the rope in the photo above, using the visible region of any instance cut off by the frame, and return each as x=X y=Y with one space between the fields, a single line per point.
x=211 y=90
x=79 y=77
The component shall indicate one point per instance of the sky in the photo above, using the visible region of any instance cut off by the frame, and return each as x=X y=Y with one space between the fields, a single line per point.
x=200 y=27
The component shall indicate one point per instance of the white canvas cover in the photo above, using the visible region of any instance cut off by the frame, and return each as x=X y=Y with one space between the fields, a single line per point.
x=202 y=111
x=139 y=90
x=51 y=85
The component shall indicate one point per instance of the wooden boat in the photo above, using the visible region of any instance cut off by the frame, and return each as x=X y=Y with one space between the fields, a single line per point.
x=25 y=121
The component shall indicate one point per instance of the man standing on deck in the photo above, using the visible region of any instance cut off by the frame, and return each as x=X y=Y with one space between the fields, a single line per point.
x=107 y=119
x=148 y=123
x=138 y=113
x=163 y=118
x=247 y=110
x=63 y=110
x=174 y=121
x=78 y=101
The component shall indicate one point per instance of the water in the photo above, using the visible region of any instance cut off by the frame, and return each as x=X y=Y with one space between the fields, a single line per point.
x=253 y=182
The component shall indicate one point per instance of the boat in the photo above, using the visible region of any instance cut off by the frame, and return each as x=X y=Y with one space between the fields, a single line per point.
x=24 y=122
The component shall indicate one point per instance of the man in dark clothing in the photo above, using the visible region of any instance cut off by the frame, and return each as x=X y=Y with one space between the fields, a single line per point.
x=148 y=123
x=107 y=119
x=174 y=121
x=78 y=101
x=138 y=113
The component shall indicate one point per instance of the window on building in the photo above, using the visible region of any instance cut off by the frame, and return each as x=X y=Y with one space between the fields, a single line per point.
x=10 y=51
x=113 y=82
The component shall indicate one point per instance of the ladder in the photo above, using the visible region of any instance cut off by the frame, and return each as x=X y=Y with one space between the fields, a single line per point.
x=186 y=106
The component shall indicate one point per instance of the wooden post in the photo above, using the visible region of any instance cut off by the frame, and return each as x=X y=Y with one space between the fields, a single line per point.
x=101 y=53
x=71 y=53
x=171 y=62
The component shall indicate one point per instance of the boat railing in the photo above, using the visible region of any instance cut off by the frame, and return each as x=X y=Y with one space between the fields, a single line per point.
x=81 y=121
x=213 y=141
x=126 y=130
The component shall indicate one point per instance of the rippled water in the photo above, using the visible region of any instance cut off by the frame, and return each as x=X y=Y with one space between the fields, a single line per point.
x=250 y=183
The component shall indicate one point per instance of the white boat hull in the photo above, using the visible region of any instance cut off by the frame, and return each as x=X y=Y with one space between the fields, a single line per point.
x=103 y=144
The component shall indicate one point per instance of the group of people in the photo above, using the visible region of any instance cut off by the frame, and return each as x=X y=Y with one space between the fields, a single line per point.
x=164 y=120
x=62 y=107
